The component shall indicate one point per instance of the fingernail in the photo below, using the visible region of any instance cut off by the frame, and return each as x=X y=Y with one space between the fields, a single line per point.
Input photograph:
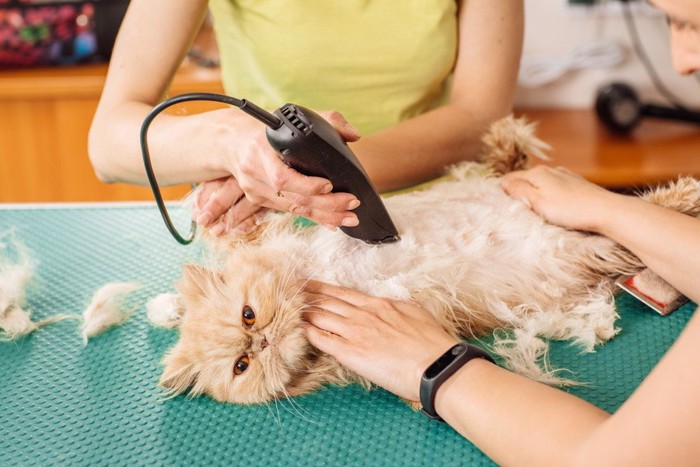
x=217 y=230
x=204 y=218
x=243 y=229
x=352 y=129
x=350 y=222
x=327 y=188
x=353 y=204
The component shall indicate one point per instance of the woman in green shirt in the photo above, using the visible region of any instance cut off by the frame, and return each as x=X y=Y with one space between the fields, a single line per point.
x=420 y=79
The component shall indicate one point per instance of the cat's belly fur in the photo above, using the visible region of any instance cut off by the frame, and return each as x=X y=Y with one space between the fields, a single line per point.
x=465 y=242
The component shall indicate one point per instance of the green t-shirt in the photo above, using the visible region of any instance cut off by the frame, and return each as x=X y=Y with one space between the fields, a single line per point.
x=378 y=62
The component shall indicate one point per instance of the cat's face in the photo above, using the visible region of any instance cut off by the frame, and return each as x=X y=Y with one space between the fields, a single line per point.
x=241 y=337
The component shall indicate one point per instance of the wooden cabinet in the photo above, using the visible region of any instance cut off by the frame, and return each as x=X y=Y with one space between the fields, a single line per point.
x=45 y=115
x=654 y=152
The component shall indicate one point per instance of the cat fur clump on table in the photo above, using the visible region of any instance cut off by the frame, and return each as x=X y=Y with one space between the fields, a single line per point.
x=480 y=261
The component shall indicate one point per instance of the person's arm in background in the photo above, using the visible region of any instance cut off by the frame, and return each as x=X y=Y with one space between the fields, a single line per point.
x=666 y=241
x=512 y=419
x=418 y=149
x=483 y=89
x=153 y=39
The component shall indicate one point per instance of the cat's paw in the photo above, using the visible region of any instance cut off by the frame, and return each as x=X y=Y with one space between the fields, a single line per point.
x=415 y=405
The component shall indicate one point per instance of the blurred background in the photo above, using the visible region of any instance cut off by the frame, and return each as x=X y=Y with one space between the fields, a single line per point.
x=593 y=75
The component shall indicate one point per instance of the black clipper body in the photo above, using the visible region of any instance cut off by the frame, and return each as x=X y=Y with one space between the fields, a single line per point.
x=310 y=145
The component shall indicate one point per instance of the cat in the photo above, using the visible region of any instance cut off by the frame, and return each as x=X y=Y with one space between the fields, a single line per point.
x=478 y=260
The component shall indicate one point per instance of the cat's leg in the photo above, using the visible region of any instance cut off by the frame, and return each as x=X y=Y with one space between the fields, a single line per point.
x=509 y=143
x=682 y=196
x=605 y=257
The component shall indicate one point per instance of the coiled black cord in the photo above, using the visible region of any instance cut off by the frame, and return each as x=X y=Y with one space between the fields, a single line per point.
x=248 y=107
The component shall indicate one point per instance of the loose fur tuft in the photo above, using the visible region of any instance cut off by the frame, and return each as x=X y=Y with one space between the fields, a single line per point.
x=106 y=309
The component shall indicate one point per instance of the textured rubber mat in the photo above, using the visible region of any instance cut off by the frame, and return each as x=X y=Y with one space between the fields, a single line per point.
x=63 y=403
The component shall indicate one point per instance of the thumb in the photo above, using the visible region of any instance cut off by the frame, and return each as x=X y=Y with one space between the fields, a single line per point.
x=342 y=126
x=518 y=188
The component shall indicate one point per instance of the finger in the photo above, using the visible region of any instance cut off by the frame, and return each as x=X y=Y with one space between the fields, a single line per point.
x=290 y=202
x=341 y=125
x=325 y=341
x=331 y=202
x=518 y=187
x=314 y=299
x=568 y=171
x=228 y=193
x=323 y=217
x=281 y=177
x=326 y=320
x=352 y=297
x=245 y=226
x=205 y=190
x=218 y=228
x=241 y=212
x=202 y=195
x=325 y=209
x=330 y=304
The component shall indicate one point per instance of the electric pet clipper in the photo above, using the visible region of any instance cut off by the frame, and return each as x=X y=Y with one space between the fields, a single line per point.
x=305 y=142
x=310 y=145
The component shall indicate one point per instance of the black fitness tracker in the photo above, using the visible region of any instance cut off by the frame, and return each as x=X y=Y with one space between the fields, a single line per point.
x=441 y=369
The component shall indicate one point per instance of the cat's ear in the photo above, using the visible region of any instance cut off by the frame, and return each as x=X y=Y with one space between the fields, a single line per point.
x=180 y=372
x=196 y=280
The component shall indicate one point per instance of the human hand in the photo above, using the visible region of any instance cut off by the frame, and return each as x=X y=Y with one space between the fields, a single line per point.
x=225 y=196
x=389 y=342
x=560 y=196
x=265 y=181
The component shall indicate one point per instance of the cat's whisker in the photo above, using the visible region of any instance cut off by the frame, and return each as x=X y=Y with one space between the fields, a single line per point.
x=306 y=281
x=278 y=418
x=296 y=408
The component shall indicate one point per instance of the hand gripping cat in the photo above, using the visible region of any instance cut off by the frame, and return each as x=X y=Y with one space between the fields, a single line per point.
x=481 y=262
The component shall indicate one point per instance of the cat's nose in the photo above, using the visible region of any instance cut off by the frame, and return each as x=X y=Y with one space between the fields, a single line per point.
x=260 y=342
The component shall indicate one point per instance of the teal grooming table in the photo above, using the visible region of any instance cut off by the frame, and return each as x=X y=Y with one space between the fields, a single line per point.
x=62 y=403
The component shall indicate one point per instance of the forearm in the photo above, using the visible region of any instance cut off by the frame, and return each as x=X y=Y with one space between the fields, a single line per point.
x=483 y=87
x=182 y=149
x=146 y=55
x=418 y=149
x=514 y=420
x=666 y=241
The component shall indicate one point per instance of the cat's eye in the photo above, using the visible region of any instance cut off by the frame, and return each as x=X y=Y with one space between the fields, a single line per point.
x=241 y=365
x=248 y=316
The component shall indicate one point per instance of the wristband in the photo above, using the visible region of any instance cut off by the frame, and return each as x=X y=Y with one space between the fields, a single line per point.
x=441 y=369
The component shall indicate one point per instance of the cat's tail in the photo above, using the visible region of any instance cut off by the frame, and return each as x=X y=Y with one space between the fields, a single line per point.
x=510 y=143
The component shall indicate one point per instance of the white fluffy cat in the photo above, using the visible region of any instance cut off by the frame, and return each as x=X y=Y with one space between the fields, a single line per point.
x=477 y=259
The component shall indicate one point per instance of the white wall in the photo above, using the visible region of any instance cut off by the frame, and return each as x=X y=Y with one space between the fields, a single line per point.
x=553 y=28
